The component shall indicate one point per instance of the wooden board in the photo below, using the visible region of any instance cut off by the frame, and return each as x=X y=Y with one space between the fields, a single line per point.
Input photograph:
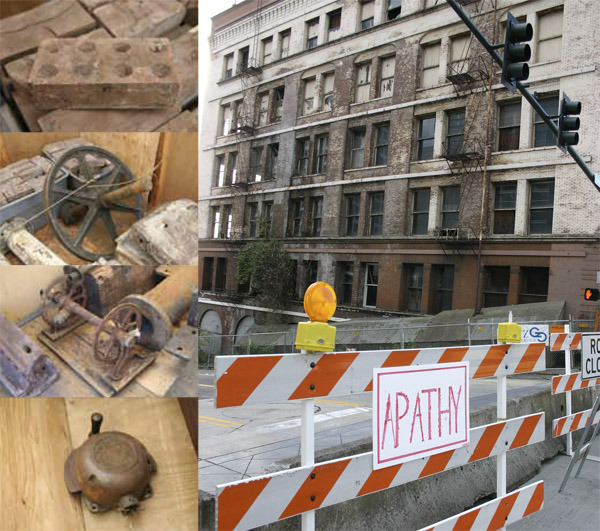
x=35 y=443
x=187 y=121
x=159 y=424
x=77 y=350
x=161 y=376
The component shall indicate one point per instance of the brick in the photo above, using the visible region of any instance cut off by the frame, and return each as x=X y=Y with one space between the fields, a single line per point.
x=185 y=52
x=27 y=109
x=22 y=33
x=187 y=121
x=104 y=74
x=106 y=120
x=23 y=178
x=20 y=70
x=55 y=150
x=140 y=18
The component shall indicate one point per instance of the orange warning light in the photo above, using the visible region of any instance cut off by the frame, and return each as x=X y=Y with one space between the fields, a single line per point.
x=320 y=302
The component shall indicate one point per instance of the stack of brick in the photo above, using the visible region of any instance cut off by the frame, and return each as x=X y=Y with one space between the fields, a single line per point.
x=23 y=178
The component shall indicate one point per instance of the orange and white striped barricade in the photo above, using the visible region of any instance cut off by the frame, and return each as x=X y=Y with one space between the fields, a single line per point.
x=243 y=380
x=565 y=341
x=571 y=382
x=574 y=422
x=258 y=501
x=497 y=513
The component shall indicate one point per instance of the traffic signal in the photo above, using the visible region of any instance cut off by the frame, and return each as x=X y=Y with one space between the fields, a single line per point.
x=514 y=66
x=592 y=294
x=567 y=123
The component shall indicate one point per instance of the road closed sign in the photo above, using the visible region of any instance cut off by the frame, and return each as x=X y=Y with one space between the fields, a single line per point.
x=590 y=356
x=419 y=411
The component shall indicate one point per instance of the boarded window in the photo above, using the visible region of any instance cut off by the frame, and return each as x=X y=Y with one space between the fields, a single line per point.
x=386 y=77
x=497 y=280
x=431 y=62
x=363 y=82
x=327 y=95
x=334 y=23
x=459 y=51
x=367 y=15
x=534 y=285
x=309 y=96
x=505 y=203
x=509 y=127
x=267 y=50
x=550 y=36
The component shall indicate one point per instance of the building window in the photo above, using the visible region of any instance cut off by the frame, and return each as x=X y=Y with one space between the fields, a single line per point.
x=376 y=214
x=284 y=43
x=444 y=286
x=228 y=66
x=450 y=204
x=346 y=279
x=430 y=60
x=225 y=119
x=227 y=221
x=497 y=280
x=550 y=28
x=312 y=33
x=393 y=9
x=220 y=170
x=543 y=135
x=267 y=50
x=420 y=216
x=216 y=222
x=309 y=96
x=382 y=140
x=386 y=76
x=316 y=212
x=534 y=285
x=367 y=15
x=302 y=146
x=327 y=92
x=278 y=94
x=221 y=274
x=414 y=287
x=455 y=135
x=352 y=213
x=207 y=273
x=541 y=207
x=459 y=53
x=371 y=281
x=273 y=151
x=357 y=148
x=268 y=217
x=363 y=82
x=243 y=58
x=311 y=270
x=297 y=215
x=322 y=149
x=505 y=203
x=256 y=164
x=263 y=109
x=334 y=23
x=252 y=220
x=509 y=128
x=233 y=158
x=425 y=138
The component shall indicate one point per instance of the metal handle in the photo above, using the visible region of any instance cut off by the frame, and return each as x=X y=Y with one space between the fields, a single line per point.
x=96 y=423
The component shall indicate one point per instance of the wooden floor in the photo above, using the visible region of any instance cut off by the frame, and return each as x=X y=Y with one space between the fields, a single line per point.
x=37 y=435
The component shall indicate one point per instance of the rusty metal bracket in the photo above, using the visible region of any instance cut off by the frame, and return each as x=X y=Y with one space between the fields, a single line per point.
x=24 y=369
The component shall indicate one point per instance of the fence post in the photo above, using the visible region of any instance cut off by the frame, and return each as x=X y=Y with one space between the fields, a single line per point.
x=501 y=415
x=307 y=448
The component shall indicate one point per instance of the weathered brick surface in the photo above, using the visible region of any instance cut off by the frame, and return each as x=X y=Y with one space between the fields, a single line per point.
x=104 y=74
x=22 y=33
x=185 y=52
x=23 y=178
x=56 y=150
x=140 y=18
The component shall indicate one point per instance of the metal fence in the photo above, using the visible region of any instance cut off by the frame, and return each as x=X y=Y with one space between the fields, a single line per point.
x=482 y=331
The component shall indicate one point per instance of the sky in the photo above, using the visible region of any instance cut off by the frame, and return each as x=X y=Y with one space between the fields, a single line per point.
x=207 y=9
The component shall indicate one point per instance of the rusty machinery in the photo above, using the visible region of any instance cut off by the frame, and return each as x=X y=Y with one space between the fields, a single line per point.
x=138 y=319
x=112 y=470
x=24 y=369
x=81 y=207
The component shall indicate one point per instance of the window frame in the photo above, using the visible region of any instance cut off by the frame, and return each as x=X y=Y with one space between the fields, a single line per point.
x=264 y=42
x=312 y=42
x=497 y=208
x=220 y=167
x=316 y=215
x=540 y=208
x=502 y=128
x=421 y=138
x=380 y=146
x=272 y=161
x=354 y=134
x=361 y=84
x=322 y=141
x=375 y=267
x=297 y=212
x=284 y=51
x=424 y=69
x=446 y=210
x=376 y=216
x=549 y=138
x=252 y=220
x=420 y=213
x=301 y=158
x=451 y=138
x=412 y=290
x=352 y=218
x=256 y=164
x=228 y=72
x=370 y=21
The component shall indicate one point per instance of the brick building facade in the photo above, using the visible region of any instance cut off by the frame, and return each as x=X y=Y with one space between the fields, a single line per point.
x=357 y=131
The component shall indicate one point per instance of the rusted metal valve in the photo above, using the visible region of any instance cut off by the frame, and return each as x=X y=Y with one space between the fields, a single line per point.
x=112 y=470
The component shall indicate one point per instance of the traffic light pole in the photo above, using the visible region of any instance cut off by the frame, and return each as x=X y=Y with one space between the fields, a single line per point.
x=491 y=49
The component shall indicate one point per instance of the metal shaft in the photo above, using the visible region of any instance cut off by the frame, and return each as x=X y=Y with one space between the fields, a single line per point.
x=135 y=188
x=174 y=294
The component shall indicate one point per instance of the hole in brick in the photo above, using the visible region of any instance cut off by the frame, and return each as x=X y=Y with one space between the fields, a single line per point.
x=52 y=48
x=123 y=70
x=47 y=71
x=83 y=70
x=161 y=70
x=157 y=46
x=122 y=47
x=87 y=47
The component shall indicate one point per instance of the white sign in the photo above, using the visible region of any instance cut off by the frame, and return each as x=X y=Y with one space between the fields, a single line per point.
x=590 y=356
x=535 y=333
x=419 y=411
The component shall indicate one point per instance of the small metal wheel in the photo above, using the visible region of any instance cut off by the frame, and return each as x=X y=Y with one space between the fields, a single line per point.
x=53 y=311
x=85 y=225
x=123 y=320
